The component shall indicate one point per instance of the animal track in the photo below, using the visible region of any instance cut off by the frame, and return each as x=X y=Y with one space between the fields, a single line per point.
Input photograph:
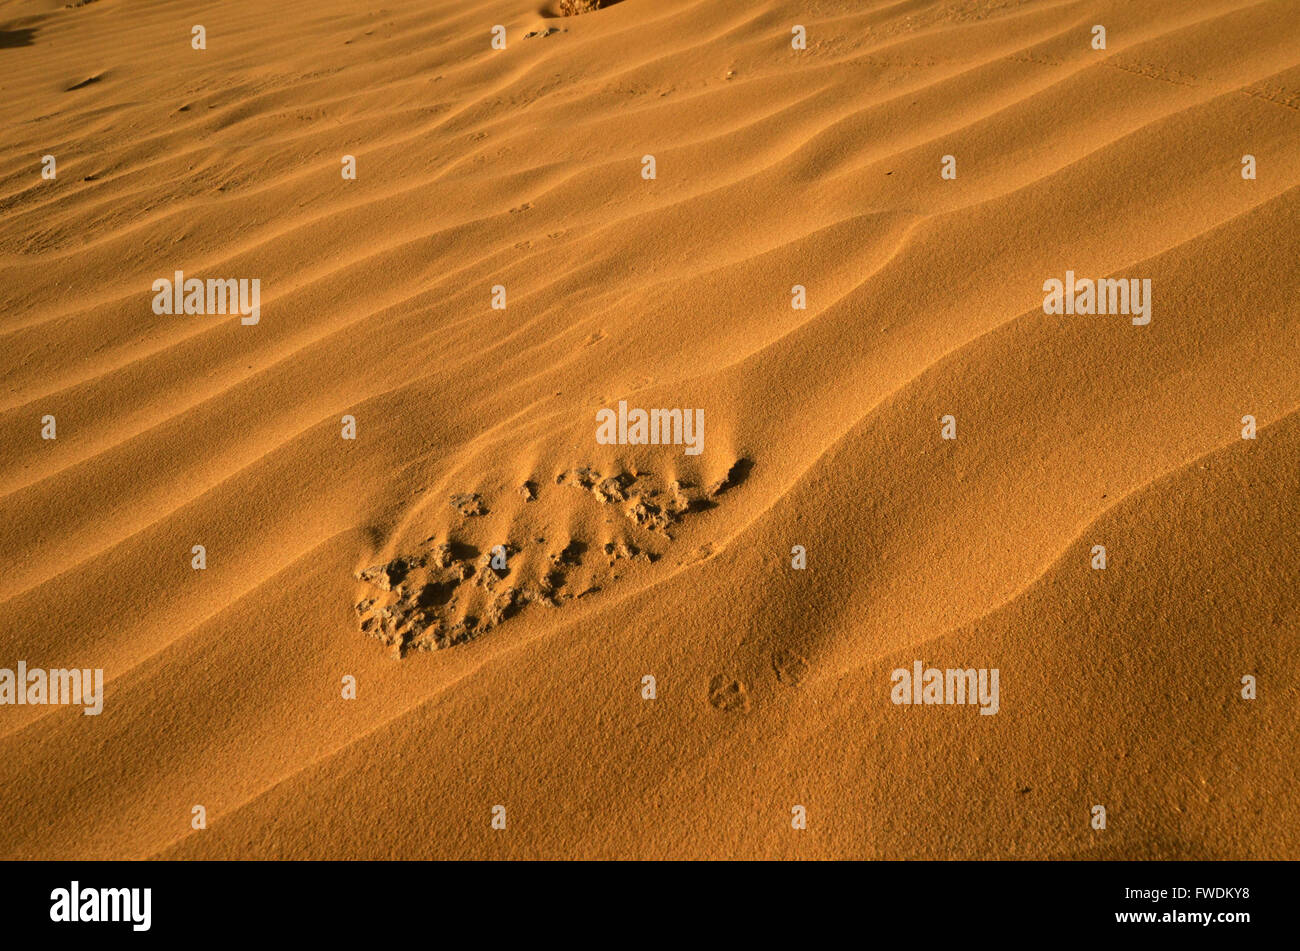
x=1278 y=95
x=468 y=504
x=1158 y=71
x=790 y=667
x=728 y=695
x=450 y=591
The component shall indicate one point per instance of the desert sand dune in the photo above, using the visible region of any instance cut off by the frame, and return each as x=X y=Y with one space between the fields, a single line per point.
x=522 y=168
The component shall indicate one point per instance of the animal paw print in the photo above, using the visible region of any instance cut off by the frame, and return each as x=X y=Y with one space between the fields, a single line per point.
x=790 y=667
x=728 y=694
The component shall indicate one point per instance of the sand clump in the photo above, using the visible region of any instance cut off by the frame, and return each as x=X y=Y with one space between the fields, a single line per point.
x=450 y=592
x=571 y=8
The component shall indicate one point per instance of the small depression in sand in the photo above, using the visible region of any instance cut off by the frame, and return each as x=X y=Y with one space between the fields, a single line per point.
x=451 y=589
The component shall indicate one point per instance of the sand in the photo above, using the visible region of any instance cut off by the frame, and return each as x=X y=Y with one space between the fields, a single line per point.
x=505 y=712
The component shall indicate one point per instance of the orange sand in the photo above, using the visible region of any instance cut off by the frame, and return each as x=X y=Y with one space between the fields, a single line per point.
x=774 y=167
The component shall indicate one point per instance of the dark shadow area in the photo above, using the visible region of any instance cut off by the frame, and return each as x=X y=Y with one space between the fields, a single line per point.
x=12 y=39
x=461 y=551
x=435 y=595
x=736 y=475
x=84 y=83
x=572 y=554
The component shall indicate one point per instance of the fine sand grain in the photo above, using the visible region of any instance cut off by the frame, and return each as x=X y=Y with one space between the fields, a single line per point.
x=480 y=685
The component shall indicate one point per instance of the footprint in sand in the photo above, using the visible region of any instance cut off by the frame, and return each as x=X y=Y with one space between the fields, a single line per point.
x=468 y=504
x=790 y=667
x=728 y=694
x=450 y=590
